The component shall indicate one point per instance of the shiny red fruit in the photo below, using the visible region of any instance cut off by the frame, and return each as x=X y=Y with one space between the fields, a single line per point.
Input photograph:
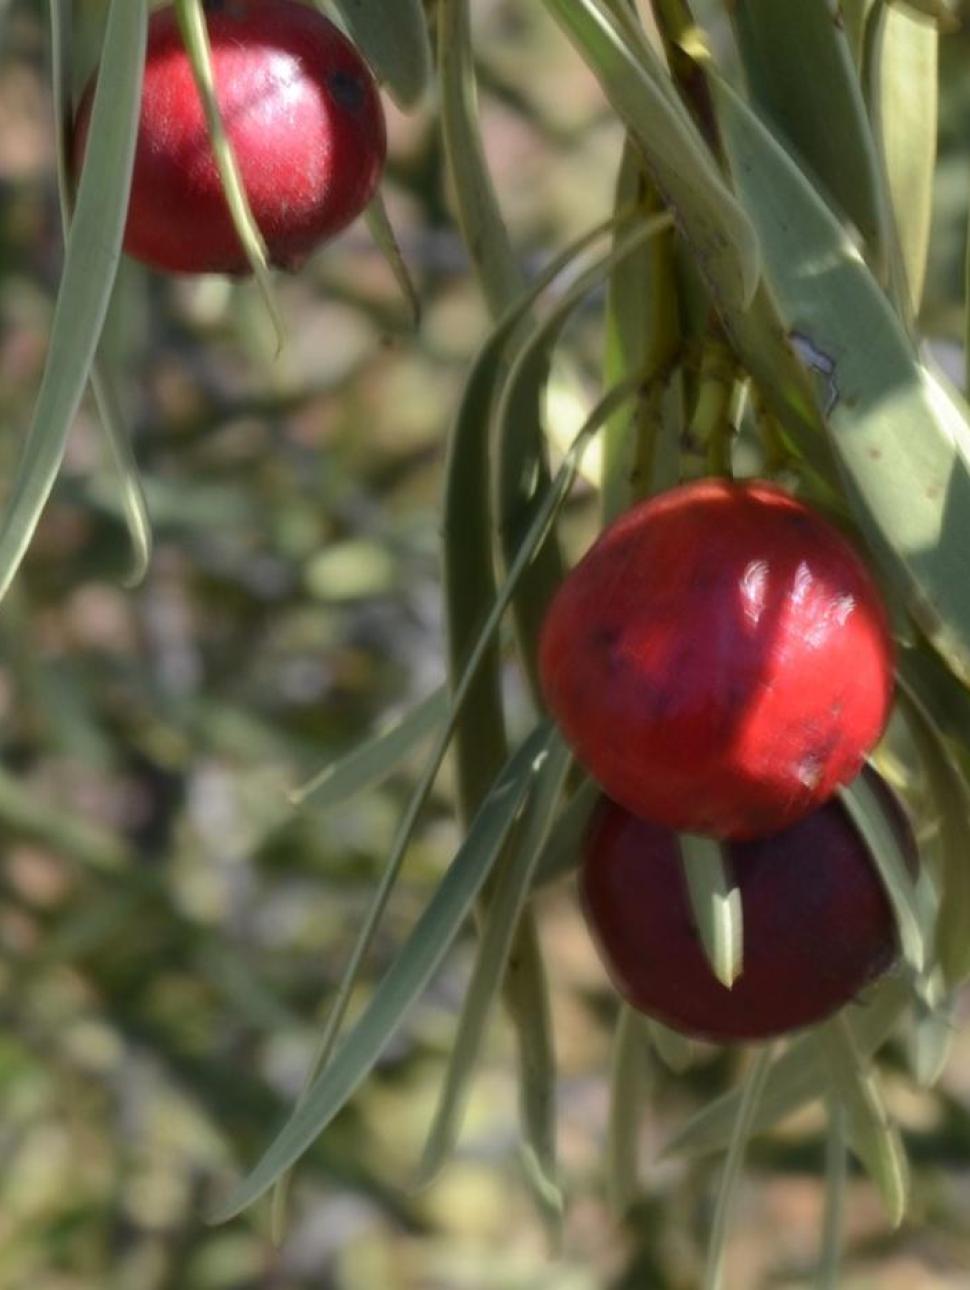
x=720 y=660
x=302 y=112
x=817 y=923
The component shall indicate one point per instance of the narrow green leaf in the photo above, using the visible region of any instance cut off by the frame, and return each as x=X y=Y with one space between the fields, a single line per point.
x=716 y=905
x=951 y=795
x=375 y=759
x=833 y=1223
x=628 y=1078
x=639 y=89
x=899 y=436
x=563 y=850
x=676 y=1051
x=482 y=227
x=868 y=814
x=930 y=1039
x=750 y=1096
x=195 y=34
x=103 y=382
x=382 y=231
x=855 y=18
x=822 y=114
x=904 y=96
x=505 y=904
x=408 y=976
x=393 y=37
x=90 y=265
x=874 y=1139
x=797 y=1076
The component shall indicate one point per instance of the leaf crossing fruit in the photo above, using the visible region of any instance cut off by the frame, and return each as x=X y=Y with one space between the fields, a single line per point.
x=302 y=113
x=720 y=660
x=818 y=926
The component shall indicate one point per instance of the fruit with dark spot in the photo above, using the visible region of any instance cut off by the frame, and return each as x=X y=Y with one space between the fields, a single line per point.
x=720 y=660
x=303 y=115
x=818 y=927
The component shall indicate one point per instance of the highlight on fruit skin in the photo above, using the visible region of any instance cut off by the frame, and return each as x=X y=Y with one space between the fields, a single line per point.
x=720 y=660
x=818 y=925
x=302 y=112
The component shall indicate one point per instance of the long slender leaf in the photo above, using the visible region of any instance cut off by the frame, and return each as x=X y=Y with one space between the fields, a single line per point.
x=867 y=813
x=833 y=1223
x=627 y=1087
x=375 y=759
x=382 y=231
x=406 y=979
x=676 y=1051
x=715 y=904
x=103 y=382
x=90 y=265
x=904 y=95
x=855 y=17
x=638 y=88
x=822 y=113
x=900 y=438
x=873 y=1137
x=506 y=901
x=394 y=40
x=562 y=851
x=750 y=1096
x=797 y=1076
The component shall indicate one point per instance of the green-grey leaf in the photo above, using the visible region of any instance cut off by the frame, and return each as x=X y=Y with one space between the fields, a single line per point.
x=675 y=1050
x=562 y=851
x=899 y=435
x=855 y=17
x=821 y=112
x=874 y=1138
x=393 y=37
x=627 y=1088
x=716 y=906
x=406 y=979
x=90 y=265
x=750 y=1096
x=904 y=96
x=639 y=90
x=375 y=758
x=797 y=1076
x=868 y=814
x=507 y=898
x=382 y=231
x=103 y=380
x=931 y=1037
x=833 y=1223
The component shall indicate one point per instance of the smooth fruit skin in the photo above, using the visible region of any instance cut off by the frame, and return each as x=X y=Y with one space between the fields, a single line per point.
x=817 y=924
x=720 y=660
x=304 y=117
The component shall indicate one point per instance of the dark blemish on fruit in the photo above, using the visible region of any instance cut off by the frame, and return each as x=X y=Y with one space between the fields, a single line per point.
x=347 y=89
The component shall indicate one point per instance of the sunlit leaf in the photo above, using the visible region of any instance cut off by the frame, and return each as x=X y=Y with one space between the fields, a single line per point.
x=715 y=904
x=901 y=439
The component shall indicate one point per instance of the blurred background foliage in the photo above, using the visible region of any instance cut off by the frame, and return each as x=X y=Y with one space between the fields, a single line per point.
x=169 y=926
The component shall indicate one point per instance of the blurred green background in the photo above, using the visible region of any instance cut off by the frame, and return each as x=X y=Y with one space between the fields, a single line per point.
x=170 y=928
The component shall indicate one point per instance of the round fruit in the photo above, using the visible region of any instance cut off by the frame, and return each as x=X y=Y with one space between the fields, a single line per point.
x=303 y=115
x=720 y=660
x=818 y=926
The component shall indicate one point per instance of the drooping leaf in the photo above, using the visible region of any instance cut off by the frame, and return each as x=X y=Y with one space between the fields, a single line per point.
x=103 y=380
x=628 y=1078
x=868 y=814
x=505 y=904
x=833 y=1223
x=855 y=17
x=904 y=96
x=796 y=1077
x=715 y=904
x=821 y=112
x=899 y=436
x=873 y=1137
x=394 y=40
x=90 y=264
x=750 y=1095
x=563 y=849
x=639 y=89
x=409 y=974
x=375 y=759
x=382 y=231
